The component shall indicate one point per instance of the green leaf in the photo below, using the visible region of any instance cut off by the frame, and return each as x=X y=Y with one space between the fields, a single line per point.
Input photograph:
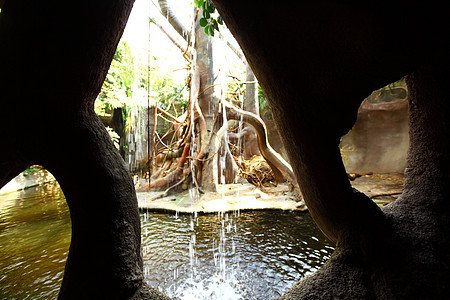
x=203 y=22
x=199 y=3
x=206 y=14
x=207 y=29
x=211 y=30
x=211 y=7
x=215 y=25
x=219 y=20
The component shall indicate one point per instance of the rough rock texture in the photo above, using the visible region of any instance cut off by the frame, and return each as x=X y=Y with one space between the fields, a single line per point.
x=55 y=56
x=378 y=142
x=305 y=58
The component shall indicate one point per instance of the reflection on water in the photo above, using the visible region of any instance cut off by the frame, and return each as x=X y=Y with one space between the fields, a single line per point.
x=246 y=255
x=238 y=255
x=34 y=242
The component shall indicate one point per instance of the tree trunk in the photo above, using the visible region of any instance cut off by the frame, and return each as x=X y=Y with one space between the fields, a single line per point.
x=206 y=69
x=173 y=20
x=281 y=169
x=251 y=104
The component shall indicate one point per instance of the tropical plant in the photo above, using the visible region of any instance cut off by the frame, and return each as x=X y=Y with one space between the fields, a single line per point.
x=116 y=89
x=209 y=21
x=197 y=143
x=169 y=94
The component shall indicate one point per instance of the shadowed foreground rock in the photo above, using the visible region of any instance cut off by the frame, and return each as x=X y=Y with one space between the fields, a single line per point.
x=308 y=54
x=55 y=56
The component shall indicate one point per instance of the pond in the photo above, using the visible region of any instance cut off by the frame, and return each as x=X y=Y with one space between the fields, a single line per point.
x=235 y=255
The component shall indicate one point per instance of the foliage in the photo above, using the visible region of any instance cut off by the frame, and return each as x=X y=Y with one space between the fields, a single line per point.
x=262 y=98
x=235 y=92
x=237 y=88
x=126 y=87
x=116 y=90
x=264 y=109
x=397 y=83
x=114 y=137
x=208 y=20
x=393 y=92
x=32 y=169
x=125 y=75
x=167 y=92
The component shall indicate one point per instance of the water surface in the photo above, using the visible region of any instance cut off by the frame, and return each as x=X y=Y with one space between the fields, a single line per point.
x=34 y=242
x=236 y=255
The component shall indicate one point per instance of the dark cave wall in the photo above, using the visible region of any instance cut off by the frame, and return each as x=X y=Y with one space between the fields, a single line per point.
x=377 y=143
x=303 y=64
x=55 y=56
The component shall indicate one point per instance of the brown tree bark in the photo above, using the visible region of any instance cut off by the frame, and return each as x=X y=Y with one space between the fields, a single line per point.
x=208 y=98
x=281 y=169
x=173 y=20
x=251 y=105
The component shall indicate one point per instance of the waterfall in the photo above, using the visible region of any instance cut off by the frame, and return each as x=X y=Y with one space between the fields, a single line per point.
x=137 y=133
x=223 y=284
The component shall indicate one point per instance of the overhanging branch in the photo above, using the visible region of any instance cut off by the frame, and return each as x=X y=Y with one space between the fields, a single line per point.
x=280 y=167
x=173 y=20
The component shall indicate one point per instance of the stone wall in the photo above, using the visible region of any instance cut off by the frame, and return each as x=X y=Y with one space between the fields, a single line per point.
x=378 y=142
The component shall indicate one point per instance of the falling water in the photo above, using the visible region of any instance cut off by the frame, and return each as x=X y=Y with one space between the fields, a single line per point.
x=193 y=190
x=240 y=128
x=224 y=146
x=205 y=257
x=235 y=255
x=221 y=282
x=137 y=132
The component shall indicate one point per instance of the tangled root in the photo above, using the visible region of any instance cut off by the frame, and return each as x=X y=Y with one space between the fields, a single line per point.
x=257 y=171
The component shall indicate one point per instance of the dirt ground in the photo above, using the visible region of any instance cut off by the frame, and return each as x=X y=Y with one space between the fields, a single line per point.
x=381 y=188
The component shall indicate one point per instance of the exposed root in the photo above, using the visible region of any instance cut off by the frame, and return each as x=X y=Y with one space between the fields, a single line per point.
x=281 y=169
x=257 y=171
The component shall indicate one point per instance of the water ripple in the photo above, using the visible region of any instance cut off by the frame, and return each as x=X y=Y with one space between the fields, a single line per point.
x=250 y=255
x=240 y=255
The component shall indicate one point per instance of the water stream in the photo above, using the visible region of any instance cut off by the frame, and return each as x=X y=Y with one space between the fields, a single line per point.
x=236 y=255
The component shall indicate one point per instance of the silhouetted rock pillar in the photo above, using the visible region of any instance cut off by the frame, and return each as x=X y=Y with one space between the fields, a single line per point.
x=55 y=56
